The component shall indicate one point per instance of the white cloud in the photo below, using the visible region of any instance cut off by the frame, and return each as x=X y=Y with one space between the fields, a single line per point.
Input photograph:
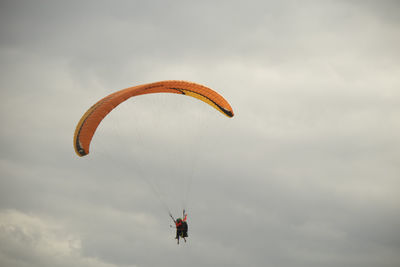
x=34 y=240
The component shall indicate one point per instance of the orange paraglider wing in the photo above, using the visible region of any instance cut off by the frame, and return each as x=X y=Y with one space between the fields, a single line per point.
x=92 y=118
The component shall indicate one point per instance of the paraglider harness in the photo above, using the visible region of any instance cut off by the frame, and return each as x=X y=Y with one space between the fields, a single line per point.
x=181 y=227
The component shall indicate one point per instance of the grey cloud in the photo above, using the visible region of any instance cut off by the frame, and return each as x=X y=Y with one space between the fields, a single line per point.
x=305 y=174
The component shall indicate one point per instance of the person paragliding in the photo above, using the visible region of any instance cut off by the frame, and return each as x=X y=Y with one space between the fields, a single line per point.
x=181 y=227
x=92 y=118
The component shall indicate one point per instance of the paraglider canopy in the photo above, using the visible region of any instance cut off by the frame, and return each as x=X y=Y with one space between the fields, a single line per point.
x=94 y=115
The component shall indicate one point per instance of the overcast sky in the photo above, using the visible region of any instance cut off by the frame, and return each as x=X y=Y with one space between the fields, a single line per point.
x=307 y=173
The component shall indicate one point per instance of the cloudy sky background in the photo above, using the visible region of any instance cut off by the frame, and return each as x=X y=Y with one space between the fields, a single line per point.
x=305 y=174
